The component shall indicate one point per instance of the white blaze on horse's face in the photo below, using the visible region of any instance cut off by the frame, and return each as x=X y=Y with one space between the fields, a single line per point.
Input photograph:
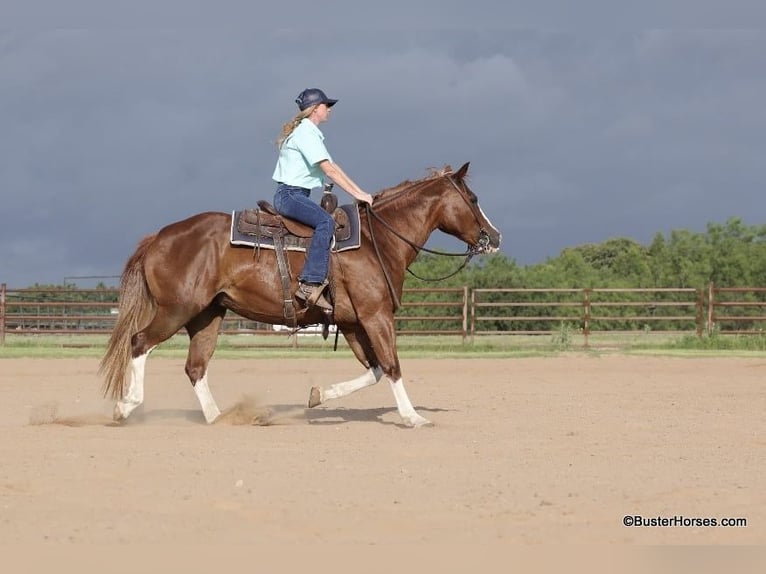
x=494 y=237
x=485 y=239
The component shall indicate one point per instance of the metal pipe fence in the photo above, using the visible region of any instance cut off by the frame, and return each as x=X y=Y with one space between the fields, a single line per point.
x=71 y=311
x=586 y=311
x=459 y=311
x=736 y=310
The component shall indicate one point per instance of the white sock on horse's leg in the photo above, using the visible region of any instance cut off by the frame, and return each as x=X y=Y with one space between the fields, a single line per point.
x=345 y=388
x=410 y=417
x=135 y=393
x=206 y=401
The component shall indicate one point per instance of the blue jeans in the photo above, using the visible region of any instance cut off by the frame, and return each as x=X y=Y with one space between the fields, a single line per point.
x=295 y=202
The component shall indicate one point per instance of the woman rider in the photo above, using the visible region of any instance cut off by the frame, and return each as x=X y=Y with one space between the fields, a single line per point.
x=303 y=164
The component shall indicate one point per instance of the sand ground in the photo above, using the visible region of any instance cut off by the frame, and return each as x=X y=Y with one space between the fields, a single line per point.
x=522 y=451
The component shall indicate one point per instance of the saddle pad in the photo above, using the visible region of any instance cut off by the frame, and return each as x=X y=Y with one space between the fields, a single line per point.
x=353 y=241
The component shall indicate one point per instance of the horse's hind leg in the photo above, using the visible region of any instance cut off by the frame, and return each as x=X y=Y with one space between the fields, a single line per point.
x=162 y=327
x=134 y=395
x=203 y=335
x=357 y=340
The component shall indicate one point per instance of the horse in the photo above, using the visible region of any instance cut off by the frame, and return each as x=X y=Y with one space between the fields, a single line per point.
x=187 y=275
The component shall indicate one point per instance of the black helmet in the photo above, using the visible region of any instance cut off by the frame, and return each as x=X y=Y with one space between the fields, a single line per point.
x=312 y=96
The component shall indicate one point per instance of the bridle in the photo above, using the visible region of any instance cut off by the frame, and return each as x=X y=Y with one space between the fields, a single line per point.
x=479 y=247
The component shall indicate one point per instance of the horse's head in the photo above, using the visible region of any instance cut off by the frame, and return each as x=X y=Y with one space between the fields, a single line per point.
x=462 y=217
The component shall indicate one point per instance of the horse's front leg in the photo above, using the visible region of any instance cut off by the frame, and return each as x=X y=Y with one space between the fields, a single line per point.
x=319 y=395
x=373 y=374
x=382 y=335
x=409 y=415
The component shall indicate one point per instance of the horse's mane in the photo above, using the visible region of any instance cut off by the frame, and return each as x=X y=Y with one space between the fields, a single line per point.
x=391 y=192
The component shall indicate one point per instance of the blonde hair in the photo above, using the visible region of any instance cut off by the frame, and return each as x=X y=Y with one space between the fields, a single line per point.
x=288 y=128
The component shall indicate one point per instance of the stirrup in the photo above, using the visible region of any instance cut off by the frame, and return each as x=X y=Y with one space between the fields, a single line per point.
x=313 y=296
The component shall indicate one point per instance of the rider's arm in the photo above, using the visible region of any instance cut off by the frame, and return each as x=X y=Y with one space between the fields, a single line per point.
x=335 y=173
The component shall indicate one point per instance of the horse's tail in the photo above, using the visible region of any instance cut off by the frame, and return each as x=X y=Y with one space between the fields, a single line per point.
x=136 y=308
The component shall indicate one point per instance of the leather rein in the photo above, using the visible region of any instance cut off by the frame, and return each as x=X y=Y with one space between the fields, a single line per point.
x=470 y=251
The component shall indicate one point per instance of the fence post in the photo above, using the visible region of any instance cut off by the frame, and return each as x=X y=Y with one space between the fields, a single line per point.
x=586 y=314
x=473 y=314
x=465 y=312
x=3 y=289
x=710 y=305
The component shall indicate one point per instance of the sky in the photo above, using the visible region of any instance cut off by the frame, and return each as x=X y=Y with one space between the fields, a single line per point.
x=109 y=132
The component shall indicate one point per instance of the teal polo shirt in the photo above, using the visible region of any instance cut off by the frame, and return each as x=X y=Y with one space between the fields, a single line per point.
x=299 y=157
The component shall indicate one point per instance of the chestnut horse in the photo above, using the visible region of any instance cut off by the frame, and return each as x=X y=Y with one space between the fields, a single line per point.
x=188 y=275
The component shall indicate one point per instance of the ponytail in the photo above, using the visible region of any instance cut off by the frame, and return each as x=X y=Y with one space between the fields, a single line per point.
x=290 y=126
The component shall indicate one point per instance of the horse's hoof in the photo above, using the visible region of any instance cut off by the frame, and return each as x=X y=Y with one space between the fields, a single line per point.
x=315 y=397
x=117 y=414
x=417 y=421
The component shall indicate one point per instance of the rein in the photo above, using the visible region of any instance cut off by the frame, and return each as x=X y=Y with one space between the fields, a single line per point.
x=468 y=253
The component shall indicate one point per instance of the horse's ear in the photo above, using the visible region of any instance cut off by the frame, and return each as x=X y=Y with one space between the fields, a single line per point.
x=460 y=174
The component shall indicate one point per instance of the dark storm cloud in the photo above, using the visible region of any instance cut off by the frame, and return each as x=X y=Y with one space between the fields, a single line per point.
x=108 y=134
x=342 y=15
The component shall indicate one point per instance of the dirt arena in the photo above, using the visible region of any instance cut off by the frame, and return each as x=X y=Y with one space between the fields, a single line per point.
x=522 y=451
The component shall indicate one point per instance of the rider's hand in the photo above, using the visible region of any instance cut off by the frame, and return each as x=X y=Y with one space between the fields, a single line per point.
x=366 y=198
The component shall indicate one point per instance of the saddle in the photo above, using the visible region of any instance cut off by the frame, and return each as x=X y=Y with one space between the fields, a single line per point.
x=266 y=222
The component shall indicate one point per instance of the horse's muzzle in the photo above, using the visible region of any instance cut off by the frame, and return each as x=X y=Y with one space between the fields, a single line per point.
x=486 y=243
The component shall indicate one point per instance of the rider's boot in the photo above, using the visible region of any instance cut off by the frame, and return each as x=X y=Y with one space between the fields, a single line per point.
x=312 y=294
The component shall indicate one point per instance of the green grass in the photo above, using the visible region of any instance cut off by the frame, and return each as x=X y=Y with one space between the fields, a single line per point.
x=717 y=342
x=409 y=346
x=270 y=346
